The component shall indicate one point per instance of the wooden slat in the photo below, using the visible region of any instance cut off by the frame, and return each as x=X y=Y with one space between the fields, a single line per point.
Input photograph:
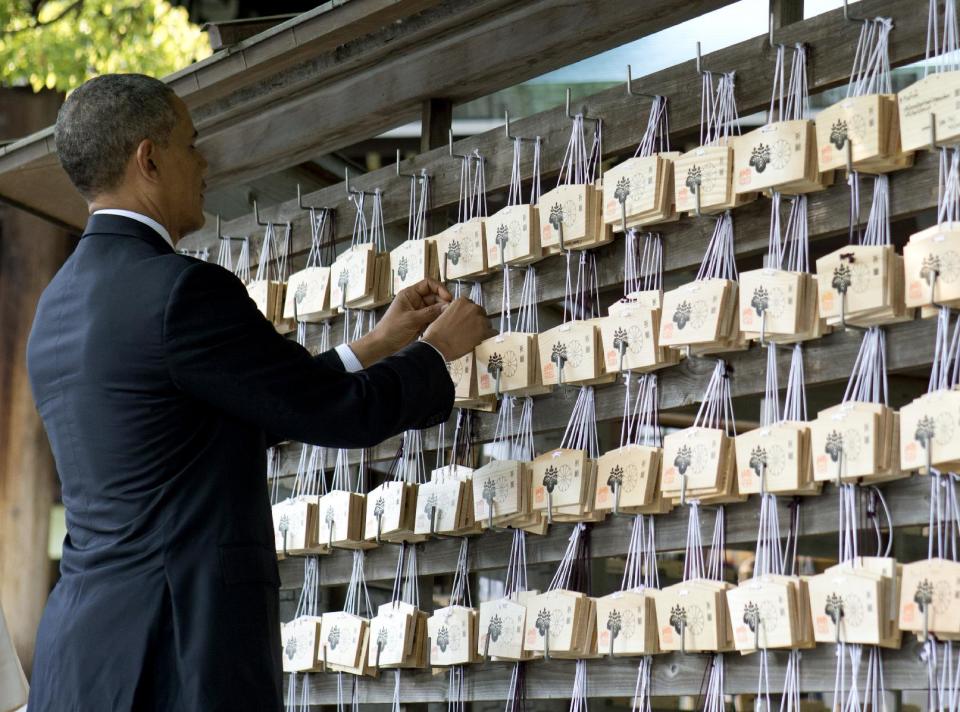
x=673 y=674
x=832 y=44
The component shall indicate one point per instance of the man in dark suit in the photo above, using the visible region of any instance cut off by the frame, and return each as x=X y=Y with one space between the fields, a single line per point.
x=160 y=386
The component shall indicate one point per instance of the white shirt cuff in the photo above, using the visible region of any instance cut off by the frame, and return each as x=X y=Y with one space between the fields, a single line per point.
x=349 y=359
x=435 y=349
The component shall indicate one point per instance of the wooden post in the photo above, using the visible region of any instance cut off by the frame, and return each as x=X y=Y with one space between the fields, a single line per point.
x=435 y=122
x=31 y=251
x=786 y=12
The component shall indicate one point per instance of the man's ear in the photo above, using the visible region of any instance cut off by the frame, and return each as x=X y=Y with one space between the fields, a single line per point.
x=145 y=159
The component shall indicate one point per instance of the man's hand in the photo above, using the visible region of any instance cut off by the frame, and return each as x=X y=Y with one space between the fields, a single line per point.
x=412 y=310
x=460 y=327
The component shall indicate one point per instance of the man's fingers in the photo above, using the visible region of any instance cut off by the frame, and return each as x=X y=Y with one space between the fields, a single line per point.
x=428 y=314
x=431 y=287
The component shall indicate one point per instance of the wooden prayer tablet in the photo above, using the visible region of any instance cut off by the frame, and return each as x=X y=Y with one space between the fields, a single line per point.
x=639 y=192
x=931 y=421
x=779 y=156
x=852 y=603
x=929 y=591
x=871 y=124
x=850 y=441
x=931 y=263
x=703 y=458
x=453 y=636
x=571 y=206
x=392 y=504
x=627 y=623
x=560 y=477
x=341 y=520
x=707 y=171
x=512 y=356
x=462 y=250
x=632 y=332
x=301 y=644
x=764 y=613
x=501 y=492
x=634 y=470
x=413 y=261
x=692 y=616
x=267 y=294
x=295 y=526
x=352 y=275
x=344 y=637
x=501 y=628
x=934 y=95
x=561 y=622
x=398 y=635
x=513 y=236
x=779 y=453
x=701 y=313
x=865 y=282
x=307 y=296
x=570 y=350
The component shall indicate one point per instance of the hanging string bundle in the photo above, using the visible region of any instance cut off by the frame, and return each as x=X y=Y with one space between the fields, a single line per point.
x=307 y=296
x=513 y=232
x=345 y=635
x=416 y=258
x=639 y=191
x=295 y=519
x=462 y=248
x=361 y=274
x=571 y=213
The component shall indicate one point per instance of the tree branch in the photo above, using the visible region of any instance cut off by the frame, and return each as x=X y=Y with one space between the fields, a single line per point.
x=37 y=6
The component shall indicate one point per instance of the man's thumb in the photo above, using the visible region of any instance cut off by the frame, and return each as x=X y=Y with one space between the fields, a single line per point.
x=429 y=314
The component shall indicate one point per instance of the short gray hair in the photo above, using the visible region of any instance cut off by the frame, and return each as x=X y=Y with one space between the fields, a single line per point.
x=103 y=121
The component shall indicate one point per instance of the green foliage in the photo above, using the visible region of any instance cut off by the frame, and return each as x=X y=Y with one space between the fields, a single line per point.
x=59 y=44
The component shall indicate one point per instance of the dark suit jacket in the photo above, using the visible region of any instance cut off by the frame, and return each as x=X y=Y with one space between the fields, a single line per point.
x=158 y=380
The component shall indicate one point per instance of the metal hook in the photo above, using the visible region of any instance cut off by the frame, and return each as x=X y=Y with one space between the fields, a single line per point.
x=583 y=111
x=700 y=70
x=613 y=637
x=563 y=248
x=622 y=348
x=417 y=176
x=380 y=646
x=308 y=207
x=221 y=236
x=843 y=315
x=934 y=276
x=850 y=18
x=352 y=191
x=933 y=146
x=433 y=525
x=325 y=664
x=632 y=92
x=461 y=156
x=773 y=45
x=683 y=636
x=490 y=504
x=486 y=643
x=546 y=643
x=683 y=489
x=511 y=137
x=763 y=328
x=261 y=223
x=496 y=383
x=617 y=488
x=549 y=507
x=559 y=362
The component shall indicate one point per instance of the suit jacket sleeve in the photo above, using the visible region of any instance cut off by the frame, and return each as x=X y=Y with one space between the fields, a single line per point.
x=221 y=350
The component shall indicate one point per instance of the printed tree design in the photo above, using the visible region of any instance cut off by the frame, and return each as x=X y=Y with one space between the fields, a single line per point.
x=925 y=431
x=834 y=445
x=842 y=278
x=301 y=292
x=430 y=505
x=758 y=459
x=379 y=508
x=543 y=622
x=291 y=647
x=495 y=628
x=550 y=477
x=494 y=364
x=333 y=637
x=454 y=251
x=489 y=493
x=614 y=623
x=751 y=616
x=619 y=338
x=760 y=301
x=930 y=268
x=382 y=637
x=329 y=518
x=683 y=459
x=760 y=157
x=343 y=280
x=443 y=638
x=556 y=216
x=682 y=315
x=284 y=525
x=558 y=354
x=838 y=133
x=923 y=596
x=622 y=190
x=616 y=478
x=834 y=608
x=678 y=618
x=503 y=237
x=694 y=178
x=403 y=268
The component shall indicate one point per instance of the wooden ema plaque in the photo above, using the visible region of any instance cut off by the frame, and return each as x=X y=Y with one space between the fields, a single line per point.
x=765 y=613
x=779 y=453
x=866 y=282
x=295 y=526
x=639 y=192
x=560 y=624
x=398 y=636
x=931 y=422
x=413 y=261
x=501 y=628
x=513 y=236
x=701 y=456
x=692 y=617
x=847 y=441
x=560 y=481
x=453 y=636
x=341 y=520
x=931 y=263
x=772 y=299
x=934 y=96
x=871 y=125
x=779 y=156
x=462 y=250
x=856 y=603
x=571 y=206
x=301 y=644
x=268 y=295
x=344 y=638
x=698 y=313
x=632 y=332
x=627 y=624
x=501 y=492
x=571 y=348
x=513 y=357
x=634 y=471
x=929 y=592
x=390 y=510
x=307 y=296
x=353 y=275
x=706 y=171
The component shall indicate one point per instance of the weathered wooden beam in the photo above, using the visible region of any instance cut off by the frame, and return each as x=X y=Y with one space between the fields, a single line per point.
x=831 y=41
x=225 y=34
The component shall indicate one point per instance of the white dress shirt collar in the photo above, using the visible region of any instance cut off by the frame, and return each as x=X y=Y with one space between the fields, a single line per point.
x=139 y=217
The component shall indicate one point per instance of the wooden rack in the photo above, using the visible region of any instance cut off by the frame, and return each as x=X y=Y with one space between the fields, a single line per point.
x=828 y=361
